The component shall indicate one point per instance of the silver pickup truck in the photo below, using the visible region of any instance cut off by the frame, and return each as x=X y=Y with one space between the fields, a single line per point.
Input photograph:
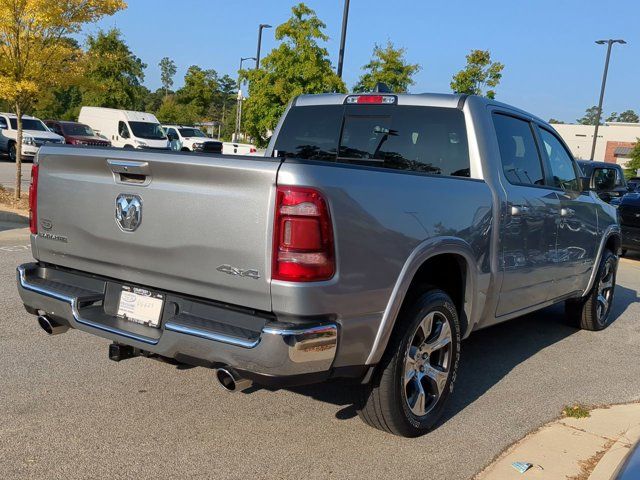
x=375 y=235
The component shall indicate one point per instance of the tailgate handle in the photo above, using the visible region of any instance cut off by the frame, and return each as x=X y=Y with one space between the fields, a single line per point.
x=130 y=172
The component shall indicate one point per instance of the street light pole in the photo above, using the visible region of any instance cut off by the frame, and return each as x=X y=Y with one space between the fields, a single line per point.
x=345 y=18
x=260 y=27
x=239 y=105
x=609 y=44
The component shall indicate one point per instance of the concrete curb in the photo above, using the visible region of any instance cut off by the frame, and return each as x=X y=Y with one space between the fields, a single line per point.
x=573 y=448
x=14 y=217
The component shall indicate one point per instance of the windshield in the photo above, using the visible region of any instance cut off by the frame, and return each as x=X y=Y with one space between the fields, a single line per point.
x=191 y=132
x=29 y=124
x=77 y=129
x=419 y=139
x=150 y=131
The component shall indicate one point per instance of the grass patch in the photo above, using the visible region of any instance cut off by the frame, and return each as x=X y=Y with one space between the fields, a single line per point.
x=7 y=200
x=576 y=411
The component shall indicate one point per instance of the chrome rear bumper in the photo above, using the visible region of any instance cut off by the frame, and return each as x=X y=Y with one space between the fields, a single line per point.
x=271 y=349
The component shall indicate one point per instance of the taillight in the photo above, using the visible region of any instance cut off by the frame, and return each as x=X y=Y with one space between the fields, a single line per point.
x=33 y=200
x=369 y=99
x=302 y=236
x=252 y=150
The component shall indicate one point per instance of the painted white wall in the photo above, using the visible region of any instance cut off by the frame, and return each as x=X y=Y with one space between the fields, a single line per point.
x=579 y=138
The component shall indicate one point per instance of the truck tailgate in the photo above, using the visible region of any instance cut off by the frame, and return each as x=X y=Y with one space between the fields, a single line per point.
x=204 y=230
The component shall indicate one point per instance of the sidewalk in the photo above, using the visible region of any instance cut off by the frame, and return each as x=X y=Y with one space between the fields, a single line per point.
x=572 y=448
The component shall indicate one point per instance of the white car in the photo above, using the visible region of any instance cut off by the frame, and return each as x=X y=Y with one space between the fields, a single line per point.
x=234 y=148
x=191 y=139
x=34 y=135
x=125 y=128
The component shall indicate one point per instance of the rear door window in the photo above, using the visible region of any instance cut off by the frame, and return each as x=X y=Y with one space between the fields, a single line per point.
x=417 y=139
x=518 y=151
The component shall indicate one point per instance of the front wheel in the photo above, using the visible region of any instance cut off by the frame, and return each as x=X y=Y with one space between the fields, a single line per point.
x=593 y=311
x=415 y=378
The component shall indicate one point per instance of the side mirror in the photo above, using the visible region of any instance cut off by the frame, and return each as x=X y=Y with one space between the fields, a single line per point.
x=603 y=179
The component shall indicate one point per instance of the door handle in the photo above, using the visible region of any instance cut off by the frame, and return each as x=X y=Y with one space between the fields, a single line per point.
x=517 y=210
x=567 y=212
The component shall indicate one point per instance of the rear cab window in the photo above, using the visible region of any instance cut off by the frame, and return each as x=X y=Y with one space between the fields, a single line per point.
x=519 y=153
x=430 y=140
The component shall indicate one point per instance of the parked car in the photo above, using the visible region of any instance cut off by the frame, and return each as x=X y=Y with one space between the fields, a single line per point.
x=191 y=139
x=633 y=184
x=629 y=212
x=234 y=148
x=378 y=232
x=608 y=179
x=34 y=135
x=75 y=133
x=126 y=129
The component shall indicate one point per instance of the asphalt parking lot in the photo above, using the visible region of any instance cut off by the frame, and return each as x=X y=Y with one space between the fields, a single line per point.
x=68 y=412
x=8 y=173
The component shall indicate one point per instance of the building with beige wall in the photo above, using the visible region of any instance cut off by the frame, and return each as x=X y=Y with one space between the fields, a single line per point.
x=615 y=140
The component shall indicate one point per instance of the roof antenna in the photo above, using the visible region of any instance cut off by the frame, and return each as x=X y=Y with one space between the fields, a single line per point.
x=382 y=87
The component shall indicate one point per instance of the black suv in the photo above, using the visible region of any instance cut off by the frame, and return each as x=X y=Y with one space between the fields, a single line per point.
x=629 y=215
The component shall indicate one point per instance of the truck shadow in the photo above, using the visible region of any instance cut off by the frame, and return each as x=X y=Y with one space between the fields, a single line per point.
x=487 y=356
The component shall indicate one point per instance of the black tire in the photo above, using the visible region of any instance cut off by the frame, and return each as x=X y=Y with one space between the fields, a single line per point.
x=128 y=147
x=13 y=152
x=385 y=403
x=593 y=312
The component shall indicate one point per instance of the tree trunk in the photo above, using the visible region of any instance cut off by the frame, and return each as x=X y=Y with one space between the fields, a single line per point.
x=18 y=190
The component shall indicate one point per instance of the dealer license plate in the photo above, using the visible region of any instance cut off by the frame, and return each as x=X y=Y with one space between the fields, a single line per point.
x=140 y=306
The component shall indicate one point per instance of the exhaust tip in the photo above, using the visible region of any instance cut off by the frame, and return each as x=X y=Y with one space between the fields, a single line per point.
x=230 y=382
x=51 y=327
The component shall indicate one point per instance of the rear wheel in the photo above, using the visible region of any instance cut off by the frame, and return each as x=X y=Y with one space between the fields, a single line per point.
x=13 y=152
x=593 y=311
x=416 y=375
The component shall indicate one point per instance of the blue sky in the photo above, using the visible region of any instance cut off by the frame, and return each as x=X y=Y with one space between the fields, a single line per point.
x=553 y=68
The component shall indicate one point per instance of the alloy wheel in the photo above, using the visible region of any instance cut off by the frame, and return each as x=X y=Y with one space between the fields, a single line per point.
x=427 y=364
x=605 y=290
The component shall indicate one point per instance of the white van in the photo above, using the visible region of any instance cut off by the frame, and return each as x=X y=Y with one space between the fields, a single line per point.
x=124 y=128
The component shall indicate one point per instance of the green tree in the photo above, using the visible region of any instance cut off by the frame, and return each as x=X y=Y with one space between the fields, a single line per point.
x=479 y=77
x=629 y=116
x=389 y=66
x=224 y=105
x=167 y=71
x=114 y=73
x=590 y=117
x=557 y=122
x=612 y=118
x=298 y=65
x=34 y=56
x=152 y=100
x=172 y=111
x=633 y=166
x=199 y=89
x=62 y=103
